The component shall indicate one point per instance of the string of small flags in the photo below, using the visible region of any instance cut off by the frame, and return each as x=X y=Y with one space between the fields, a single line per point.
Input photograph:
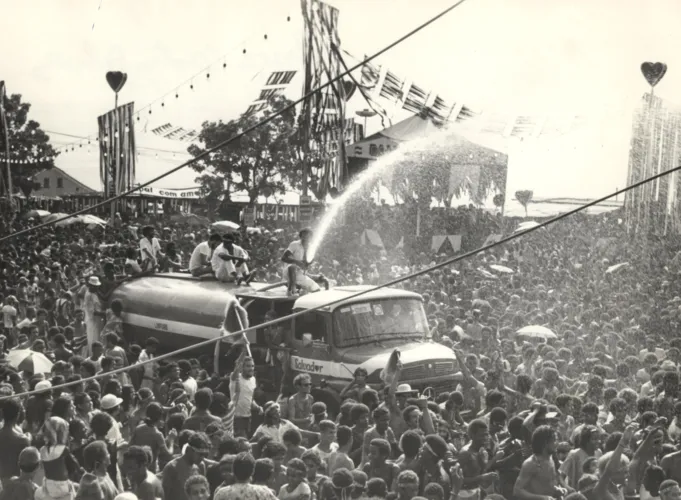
x=189 y=84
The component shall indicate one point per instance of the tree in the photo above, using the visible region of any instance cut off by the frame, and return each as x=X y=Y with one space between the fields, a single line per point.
x=28 y=144
x=524 y=197
x=264 y=161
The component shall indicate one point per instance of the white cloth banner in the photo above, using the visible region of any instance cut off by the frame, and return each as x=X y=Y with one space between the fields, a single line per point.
x=184 y=194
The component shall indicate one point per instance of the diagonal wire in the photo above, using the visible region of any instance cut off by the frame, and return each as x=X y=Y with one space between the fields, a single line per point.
x=396 y=281
x=249 y=129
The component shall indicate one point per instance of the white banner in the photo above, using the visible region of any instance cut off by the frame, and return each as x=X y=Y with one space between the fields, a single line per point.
x=184 y=194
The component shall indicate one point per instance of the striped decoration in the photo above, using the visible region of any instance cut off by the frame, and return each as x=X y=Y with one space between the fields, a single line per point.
x=6 y=173
x=117 y=150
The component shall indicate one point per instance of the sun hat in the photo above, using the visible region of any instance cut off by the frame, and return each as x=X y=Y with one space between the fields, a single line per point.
x=94 y=281
x=43 y=385
x=405 y=389
x=109 y=402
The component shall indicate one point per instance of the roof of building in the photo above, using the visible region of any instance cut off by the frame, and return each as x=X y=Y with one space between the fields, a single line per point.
x=67 y=176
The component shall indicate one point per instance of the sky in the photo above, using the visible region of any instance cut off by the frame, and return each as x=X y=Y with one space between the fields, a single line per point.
x=508 y=56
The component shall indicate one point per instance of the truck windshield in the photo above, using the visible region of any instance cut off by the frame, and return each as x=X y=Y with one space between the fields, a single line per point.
x=379 y=320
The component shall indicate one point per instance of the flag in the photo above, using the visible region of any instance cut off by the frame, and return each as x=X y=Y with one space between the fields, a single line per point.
x=392 y=87
x=6 y=176
x=370 y=76
x=439 y=110
x=416 y=99
x=266 y=94
x=117 y=150
x=281 y=78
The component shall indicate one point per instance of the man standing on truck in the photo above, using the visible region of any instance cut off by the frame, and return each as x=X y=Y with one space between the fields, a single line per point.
x=296 y=272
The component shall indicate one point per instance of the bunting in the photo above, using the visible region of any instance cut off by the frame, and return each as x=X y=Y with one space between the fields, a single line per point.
x=280 y=78
x=392 y=87
x=370 y=76
x=439 y=110
x=416 y=99
x=117 y=150
x=6 y=174
x=175 y=133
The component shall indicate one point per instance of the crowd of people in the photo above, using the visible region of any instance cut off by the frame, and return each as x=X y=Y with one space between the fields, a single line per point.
x=591 y=409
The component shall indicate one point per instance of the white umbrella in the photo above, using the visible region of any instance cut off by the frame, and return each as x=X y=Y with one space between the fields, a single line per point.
x=501 y=269
x=36 y=213
x=67 y=222
x=253 y=230
x=524 y=226
x=225 y=226
x=486 y=274
x=616 y=267
x=536 y=332
x=54 y=217
x=29 y=361
x=90 y=219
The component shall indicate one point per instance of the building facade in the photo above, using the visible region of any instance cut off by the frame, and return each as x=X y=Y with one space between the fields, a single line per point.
x=55 y=182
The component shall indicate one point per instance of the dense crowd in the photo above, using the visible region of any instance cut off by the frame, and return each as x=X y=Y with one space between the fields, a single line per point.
x=593 y=413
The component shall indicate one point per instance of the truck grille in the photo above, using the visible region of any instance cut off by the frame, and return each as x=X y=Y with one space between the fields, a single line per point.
x=427 y=370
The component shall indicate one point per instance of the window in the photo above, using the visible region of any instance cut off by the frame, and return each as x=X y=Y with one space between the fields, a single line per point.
x=313 y=323
x=46 y=182
x=60 y=182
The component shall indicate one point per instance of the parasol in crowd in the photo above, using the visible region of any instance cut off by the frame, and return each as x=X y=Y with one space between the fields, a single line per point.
x=524 y=226
x=89 y=219
x=616 y=267
x=54 y=217
x=36 y=214
x=29 y=361
x=486 y=274
x=225 y=226
x=501 y=269
x=536 y=332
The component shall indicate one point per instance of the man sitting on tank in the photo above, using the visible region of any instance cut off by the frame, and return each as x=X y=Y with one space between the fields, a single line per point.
x=200 y=261
x=296 y=256
x=229 y=262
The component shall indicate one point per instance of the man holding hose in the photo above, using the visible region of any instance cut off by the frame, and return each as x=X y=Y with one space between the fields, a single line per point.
x=296 y=272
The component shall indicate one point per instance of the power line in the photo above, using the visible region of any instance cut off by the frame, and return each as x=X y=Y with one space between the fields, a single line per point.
x=249 y=129
x=396 y=281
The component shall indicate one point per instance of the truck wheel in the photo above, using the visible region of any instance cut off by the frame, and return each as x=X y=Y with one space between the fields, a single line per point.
x=330 y=399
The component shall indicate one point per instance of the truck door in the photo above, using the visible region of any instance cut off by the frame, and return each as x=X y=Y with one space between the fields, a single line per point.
x=311 y=343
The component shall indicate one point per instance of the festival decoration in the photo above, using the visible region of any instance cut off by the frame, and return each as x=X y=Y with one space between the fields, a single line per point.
x=117 y=150
x=209 y=71
x=6 y=174
x=322 y=117
x=116 y=80
x=653 y=72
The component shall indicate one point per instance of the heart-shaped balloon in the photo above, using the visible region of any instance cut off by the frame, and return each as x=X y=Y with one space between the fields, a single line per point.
x=653 y=72
x=116 y=80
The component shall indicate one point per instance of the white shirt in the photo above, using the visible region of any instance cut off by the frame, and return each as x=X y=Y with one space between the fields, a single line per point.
x=152 y=247
x=297 y=250
x=9 y=313
x=195 y=261
x=190 y=386
x=227 y=266
x=245 y=399
x=276 y=433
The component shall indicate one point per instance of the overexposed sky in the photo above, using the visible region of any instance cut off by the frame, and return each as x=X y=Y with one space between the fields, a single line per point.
x=515 y=56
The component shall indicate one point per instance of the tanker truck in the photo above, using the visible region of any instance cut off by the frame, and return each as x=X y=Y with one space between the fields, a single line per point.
x=328 y=342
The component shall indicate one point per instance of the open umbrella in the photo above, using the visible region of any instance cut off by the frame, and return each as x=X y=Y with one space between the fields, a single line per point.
x=54 y=217
x=191 y=219
x=36 y=214
x=90 y=219
x=225 y=226
x=487 y=274
x=524 y=226
x=29 y=361
x=616 y=267
x=501 y=269
x=536 y=332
